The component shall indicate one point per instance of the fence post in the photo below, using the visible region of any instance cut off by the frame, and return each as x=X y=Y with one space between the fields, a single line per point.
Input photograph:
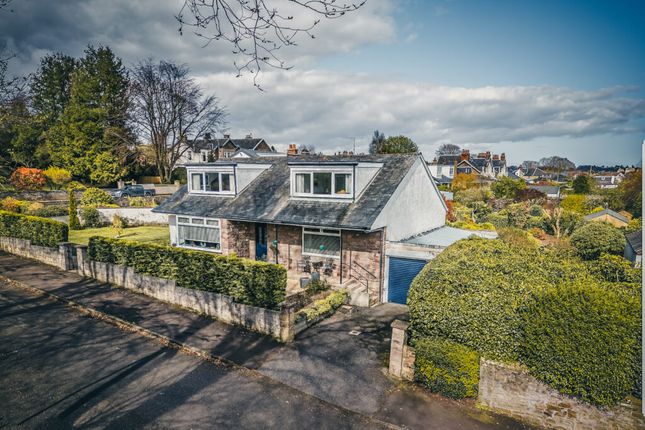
x=287 y=323
x=398 y=342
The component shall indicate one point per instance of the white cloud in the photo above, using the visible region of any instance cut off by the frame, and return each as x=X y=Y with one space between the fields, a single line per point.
x=330 y=109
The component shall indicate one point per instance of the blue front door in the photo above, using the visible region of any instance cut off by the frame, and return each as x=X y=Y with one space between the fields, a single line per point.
x=401 y=273
x=260 y=242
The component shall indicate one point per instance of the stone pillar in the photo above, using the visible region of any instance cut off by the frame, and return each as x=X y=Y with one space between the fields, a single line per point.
x=81 y=259
x=66 y=257
x=398 y=342
x=287 y=323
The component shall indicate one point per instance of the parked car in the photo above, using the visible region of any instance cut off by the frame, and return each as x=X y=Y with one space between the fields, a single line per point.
x=132 y=191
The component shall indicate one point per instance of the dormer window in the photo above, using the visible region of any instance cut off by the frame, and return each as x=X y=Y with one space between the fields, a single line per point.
x=216 y=182
x=322 y=183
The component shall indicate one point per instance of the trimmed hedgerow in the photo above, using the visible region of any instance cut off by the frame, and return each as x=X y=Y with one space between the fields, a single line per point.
x=471 y=293
x=250 y=282
x=325 y=306
x=40 y=231
x=446 y=367
x=595 y=238
x=584 y=340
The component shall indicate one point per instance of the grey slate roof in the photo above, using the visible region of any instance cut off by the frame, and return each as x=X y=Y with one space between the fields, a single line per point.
x=267 y=198
x=607 y=212
x=635 y=240
x=246 y=143
x=253 y=153
x=448 y=159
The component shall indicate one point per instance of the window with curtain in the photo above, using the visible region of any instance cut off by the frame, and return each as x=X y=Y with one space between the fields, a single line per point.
x=303 y=183
x=321 y=242
x=342 y=183
x=199 y=235
x=196 y=180
x=323 y=183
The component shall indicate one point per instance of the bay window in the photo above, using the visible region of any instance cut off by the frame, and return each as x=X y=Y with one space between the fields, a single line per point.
x=321 y=242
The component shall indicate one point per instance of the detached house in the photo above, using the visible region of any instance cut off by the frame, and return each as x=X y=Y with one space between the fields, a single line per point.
x=329 y=216
x=208 y=149
x=483 y=164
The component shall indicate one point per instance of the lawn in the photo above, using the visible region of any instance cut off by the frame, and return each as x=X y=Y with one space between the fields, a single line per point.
x=158 y=234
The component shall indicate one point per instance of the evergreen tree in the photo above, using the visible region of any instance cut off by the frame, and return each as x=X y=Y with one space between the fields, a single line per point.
x=378 y=139
x=94 y=120
x=50 y=87
x=74 y=222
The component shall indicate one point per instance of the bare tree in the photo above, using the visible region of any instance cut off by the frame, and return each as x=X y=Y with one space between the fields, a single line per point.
x=256 y=28
x=170 y=108
x=447 y=149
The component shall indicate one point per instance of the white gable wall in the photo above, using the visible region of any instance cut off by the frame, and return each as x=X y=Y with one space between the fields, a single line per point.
x=415 y=207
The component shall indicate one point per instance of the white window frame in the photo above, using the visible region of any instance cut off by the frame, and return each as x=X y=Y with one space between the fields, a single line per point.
x=204 y=223
x=310 y=170
x=220 y=172
x=321 y=231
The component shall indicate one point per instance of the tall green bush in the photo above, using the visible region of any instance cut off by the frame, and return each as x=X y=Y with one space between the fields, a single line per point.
x=40 y=231
x=250 y=282
x=595 y=238
x=95 y=197
x=584 y=340
x=472 y=291
x=447 y=367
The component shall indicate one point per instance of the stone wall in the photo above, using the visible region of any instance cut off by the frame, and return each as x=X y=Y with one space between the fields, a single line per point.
x=510 y=390
x=60 y=256
x=133 y=215
x=278 y=324
x=239 y=238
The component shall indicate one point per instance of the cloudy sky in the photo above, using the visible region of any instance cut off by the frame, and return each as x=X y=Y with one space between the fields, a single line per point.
x=531 y=79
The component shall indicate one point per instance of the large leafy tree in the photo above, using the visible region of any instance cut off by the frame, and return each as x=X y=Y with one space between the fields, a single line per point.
x=582 y=184
x=448 y=149
x=170 y=108
x=94 y=122
x=398 y=145
x=51 y=85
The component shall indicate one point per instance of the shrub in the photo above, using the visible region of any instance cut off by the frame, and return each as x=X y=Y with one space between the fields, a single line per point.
x=57 y=176
x=471 y=292
x=95 y=197
x=49 y=211
x=141 y=202
x=251 y=282
x=536 y=210
x=528 y=194
x=506 y=187
x=517 y=237
x=469 y=225
x=119 y=224
x=91 y=217
x=447 y=367
x=74 y=223
x=595 y=238
x=614 y=268
x=24 y=178
x=40 y=231
x=10 y=204
x=583 y=340
x=316 y=286
x=574 y=203
x=324 y=307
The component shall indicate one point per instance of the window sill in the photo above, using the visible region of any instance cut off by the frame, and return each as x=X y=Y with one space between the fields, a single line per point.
x=197 y=248
x=335 y=257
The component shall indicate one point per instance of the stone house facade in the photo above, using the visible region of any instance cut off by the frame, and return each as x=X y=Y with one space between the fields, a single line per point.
x=318 y=216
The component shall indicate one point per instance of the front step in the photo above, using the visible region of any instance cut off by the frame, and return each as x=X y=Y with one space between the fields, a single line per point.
x=357 y=294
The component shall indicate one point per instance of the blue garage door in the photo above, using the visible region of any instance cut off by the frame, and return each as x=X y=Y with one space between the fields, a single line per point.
x=401 y=273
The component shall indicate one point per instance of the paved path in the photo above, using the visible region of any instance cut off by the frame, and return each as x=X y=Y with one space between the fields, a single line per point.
x=325 y=361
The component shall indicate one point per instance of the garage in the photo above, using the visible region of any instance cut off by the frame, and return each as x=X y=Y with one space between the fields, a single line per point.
x=401 y=272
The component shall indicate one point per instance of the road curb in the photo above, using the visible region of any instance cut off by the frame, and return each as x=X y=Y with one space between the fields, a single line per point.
x=179 y=346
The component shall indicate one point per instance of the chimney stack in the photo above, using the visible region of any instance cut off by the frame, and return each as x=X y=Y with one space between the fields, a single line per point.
x=465 y=154
x=249 y=136
x=207 y=136
x=293 y=150
x=488 y=155
x=227 y=136
x=502 y=157
x=495 y=157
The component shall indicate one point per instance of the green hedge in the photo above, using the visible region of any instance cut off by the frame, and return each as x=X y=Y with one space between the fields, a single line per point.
x=447 y=367
x=246 y=281
x=471 y=293
x=40 y=231
x=595 y=238
x=584 y=340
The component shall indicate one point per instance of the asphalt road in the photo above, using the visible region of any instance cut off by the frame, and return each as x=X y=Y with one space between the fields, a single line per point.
x=59 y=369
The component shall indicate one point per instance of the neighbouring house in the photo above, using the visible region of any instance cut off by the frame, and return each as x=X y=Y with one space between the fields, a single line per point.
x=609 y=216
x=532 y=175
x=483 y=164
x=634 y=248
x=209 y=149
x=336 y=217
x=608 y=180
x=251 y=153
x=443 y=168
x=551 y=191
